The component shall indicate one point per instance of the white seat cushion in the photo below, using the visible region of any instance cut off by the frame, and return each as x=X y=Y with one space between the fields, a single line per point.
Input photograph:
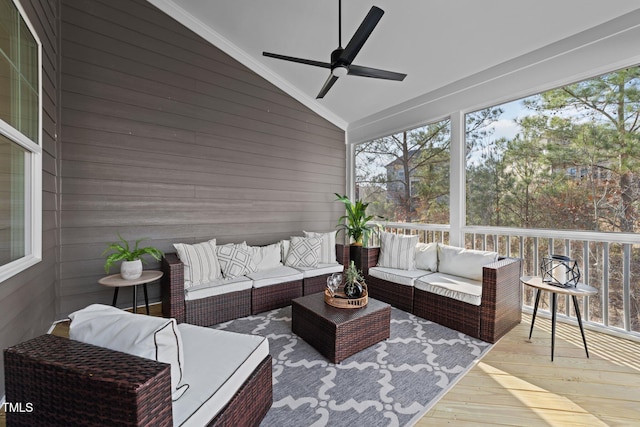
x=274 y=276
x=321 y=269
x=217 y=363
x=397 y=275
x=218 y=287
x=456 y=287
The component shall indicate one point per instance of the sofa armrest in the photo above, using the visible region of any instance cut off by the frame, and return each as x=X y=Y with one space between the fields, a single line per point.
x=68 y=382
x=172 y=287
x=501 y=303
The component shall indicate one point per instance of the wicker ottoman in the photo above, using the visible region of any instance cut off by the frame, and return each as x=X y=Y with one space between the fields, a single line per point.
x=338 y=333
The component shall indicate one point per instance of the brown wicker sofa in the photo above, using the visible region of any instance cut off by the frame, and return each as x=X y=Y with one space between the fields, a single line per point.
x=69 y=382
x=225 y=306
x=495 y=311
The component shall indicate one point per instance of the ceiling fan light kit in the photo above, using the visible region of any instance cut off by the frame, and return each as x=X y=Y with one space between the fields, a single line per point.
x=341 y=59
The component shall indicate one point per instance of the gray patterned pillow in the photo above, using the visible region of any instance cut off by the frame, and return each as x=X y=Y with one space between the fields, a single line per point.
x=328 y=248
x=235 y=260
x=304 y=252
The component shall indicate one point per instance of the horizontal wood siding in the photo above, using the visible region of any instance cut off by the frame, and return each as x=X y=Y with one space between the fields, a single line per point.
x=166 y=137
x=28 y=300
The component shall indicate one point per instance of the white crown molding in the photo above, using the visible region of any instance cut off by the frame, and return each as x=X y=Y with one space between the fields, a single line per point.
x=222 y=43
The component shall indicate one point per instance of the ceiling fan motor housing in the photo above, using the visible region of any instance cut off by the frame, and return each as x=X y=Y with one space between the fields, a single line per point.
x=339 y=67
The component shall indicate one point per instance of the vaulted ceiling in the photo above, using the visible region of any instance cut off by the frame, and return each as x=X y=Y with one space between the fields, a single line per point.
x=435 y=42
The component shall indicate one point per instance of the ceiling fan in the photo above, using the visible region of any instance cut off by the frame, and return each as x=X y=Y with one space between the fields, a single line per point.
x=341 y=59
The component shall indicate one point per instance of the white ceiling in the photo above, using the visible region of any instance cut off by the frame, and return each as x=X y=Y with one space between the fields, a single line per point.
x=435 y=42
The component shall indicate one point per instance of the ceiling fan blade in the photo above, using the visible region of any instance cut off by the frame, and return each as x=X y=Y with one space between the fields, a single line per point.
x=361 y=35
x=357 y=70
x=298 y=60
x=327 y=85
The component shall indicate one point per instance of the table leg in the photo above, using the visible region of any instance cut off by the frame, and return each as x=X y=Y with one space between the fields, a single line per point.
x=584 y=339
x=554 y=306
x=115 y=296
x=535 y=310
x=146 y=298
x=135 y=298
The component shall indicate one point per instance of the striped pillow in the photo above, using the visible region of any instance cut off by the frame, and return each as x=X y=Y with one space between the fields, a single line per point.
x=397 y=251
x=200 y=262
x=328 y=247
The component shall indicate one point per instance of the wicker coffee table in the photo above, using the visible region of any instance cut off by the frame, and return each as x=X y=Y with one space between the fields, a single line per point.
x=338 y=333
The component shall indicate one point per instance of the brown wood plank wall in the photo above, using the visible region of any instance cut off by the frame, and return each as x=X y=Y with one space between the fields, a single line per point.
x=166 y=137
x=28 y=300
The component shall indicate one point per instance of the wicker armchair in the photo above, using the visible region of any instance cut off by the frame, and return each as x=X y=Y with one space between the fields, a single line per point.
x=500 y=309
x=72 y=383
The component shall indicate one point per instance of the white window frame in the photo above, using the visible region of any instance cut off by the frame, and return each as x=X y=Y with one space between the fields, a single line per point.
x=33 y=177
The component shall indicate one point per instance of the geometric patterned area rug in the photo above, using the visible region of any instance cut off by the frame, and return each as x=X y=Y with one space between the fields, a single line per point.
x=392 y=383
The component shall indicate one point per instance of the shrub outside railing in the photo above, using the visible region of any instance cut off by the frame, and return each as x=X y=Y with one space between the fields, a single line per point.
x=610 y=262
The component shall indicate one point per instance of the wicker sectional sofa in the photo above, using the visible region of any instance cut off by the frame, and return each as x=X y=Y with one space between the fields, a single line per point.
x=271 y=285
x=475 y=292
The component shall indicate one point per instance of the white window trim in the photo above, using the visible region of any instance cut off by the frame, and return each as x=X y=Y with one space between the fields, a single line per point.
x=33 y=173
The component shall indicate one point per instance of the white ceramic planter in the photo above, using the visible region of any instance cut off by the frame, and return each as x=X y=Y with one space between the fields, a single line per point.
x=130 y=270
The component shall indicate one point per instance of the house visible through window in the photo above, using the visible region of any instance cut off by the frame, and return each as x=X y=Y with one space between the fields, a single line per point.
x=20 y=150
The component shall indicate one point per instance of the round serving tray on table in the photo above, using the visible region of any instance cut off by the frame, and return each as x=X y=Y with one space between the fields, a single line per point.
x=341 y=301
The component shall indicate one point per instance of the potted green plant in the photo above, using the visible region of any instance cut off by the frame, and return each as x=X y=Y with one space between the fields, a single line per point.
x=357 y=227
x=131 y=266
x=356 y=222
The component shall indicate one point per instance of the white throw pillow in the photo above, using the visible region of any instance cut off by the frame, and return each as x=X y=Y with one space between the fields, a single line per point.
x=304 y=252
x=463 y=262
x=286 y=245
x=397 y=251
x=145 y=336
x=266 y=257
x=235 y=260
x=427 y=256
x=328 y=247
x=200 y=262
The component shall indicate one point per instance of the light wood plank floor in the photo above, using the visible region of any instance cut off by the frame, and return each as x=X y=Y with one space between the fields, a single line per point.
x=517 y=384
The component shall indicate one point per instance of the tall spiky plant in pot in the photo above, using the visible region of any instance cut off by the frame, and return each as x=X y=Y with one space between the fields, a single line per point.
x=356 y=222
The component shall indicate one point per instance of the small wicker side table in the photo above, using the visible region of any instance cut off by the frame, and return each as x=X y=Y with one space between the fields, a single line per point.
x=338 y=333
x=116 y=281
